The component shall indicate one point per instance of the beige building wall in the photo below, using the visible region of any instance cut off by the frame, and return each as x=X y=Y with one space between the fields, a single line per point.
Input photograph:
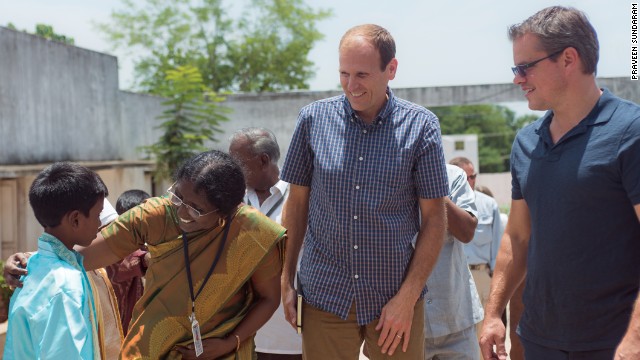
x=500 y=186
x=8 y=215
x=19 y=229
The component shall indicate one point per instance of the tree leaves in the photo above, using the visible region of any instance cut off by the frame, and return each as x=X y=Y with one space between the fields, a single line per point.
x=191 y=118
x=495 y=125
x=266 y=49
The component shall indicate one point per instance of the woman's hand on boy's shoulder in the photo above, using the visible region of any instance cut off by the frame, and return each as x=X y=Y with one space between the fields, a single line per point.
x=14 y=267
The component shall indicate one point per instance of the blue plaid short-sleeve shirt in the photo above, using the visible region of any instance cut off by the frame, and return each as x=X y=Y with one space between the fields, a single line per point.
x=365 y=182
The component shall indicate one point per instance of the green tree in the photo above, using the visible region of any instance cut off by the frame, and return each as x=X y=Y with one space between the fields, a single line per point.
x=265 y=50
x=192 y=117
x=495 y=125
x=46 y=31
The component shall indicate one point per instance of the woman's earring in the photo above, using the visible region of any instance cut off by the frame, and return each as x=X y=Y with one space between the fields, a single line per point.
x=222 y=221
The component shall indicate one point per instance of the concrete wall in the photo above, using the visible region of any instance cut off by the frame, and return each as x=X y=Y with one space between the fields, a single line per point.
x=137 y=123
x=500 y=186
x=465 y=145
x=276 y=111
x=60 y=102
x=56 y=101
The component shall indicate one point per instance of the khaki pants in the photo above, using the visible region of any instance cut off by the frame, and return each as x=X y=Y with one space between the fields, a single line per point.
x=483 y=284
x=516 y=307
x=327 y=336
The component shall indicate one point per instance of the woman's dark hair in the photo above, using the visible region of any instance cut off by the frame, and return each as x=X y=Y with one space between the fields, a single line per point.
x=64 y=187
x=217 y=175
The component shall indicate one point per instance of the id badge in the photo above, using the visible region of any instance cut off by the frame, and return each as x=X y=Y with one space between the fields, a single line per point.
x=299 y=314
x=197 y=340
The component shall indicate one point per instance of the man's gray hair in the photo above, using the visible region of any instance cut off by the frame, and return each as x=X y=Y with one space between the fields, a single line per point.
x=460 y=161
x=261 y=140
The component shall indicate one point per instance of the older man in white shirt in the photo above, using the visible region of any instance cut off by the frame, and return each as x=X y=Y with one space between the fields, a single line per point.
x=258 y=151
x=483 y=249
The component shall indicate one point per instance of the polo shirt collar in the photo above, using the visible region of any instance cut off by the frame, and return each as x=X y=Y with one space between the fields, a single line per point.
x=382 y=116
x=600 y=114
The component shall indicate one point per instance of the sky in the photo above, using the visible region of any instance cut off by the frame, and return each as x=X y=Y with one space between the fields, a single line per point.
x=439 y=43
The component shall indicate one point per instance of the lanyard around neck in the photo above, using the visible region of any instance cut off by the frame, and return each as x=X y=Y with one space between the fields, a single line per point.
x=185 y=247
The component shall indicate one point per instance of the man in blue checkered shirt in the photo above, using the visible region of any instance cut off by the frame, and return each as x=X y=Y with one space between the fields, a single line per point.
x=361 y=166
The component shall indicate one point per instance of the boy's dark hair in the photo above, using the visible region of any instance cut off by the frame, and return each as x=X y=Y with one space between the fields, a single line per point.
x=129 y=199
x=64 y=187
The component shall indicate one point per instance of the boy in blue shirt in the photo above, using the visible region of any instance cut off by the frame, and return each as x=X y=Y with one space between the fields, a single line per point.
x=53 y=315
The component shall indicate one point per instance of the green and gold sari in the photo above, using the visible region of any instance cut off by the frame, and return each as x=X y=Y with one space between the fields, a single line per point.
x=161 y=317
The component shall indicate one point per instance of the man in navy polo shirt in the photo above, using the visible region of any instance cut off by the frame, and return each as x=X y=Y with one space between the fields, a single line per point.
x=574 y=225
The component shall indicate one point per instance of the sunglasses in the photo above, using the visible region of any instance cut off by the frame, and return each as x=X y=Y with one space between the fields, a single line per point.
x=193 y=212
x=521 y=70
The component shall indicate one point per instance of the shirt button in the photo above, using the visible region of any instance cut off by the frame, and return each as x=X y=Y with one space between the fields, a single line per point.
x=360 y=158
x=355 y=247
x=355 y=217
x=356 y=276
x=364 y=131
x=429 y=301
x=357 y=187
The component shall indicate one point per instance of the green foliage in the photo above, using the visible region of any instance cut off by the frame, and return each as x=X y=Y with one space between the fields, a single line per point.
x=495 y=125
x=46 y=31
x=192 y=117
x=265 y=50
x=5 y=290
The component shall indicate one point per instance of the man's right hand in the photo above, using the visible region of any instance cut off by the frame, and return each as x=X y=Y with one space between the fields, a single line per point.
x=493 y=333
x=289 y=303
x=14 y=267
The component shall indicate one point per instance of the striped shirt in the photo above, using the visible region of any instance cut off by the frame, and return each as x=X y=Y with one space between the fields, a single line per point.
x=365 y=182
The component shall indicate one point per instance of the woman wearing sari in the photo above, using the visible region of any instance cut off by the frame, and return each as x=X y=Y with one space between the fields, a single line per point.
x=232 y=267
x=214 y=275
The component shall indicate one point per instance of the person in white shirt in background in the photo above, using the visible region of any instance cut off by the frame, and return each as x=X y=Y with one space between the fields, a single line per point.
x=483 y=249
x=515 y=304
x=258 y=151
x=452 y=306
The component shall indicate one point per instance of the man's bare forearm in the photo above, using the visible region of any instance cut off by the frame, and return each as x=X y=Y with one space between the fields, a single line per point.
x=295 y=215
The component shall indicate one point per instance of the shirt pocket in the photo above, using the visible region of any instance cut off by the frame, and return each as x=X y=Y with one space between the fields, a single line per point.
x=394 y=168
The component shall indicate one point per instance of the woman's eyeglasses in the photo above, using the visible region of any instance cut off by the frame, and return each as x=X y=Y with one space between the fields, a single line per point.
x=175 y=200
